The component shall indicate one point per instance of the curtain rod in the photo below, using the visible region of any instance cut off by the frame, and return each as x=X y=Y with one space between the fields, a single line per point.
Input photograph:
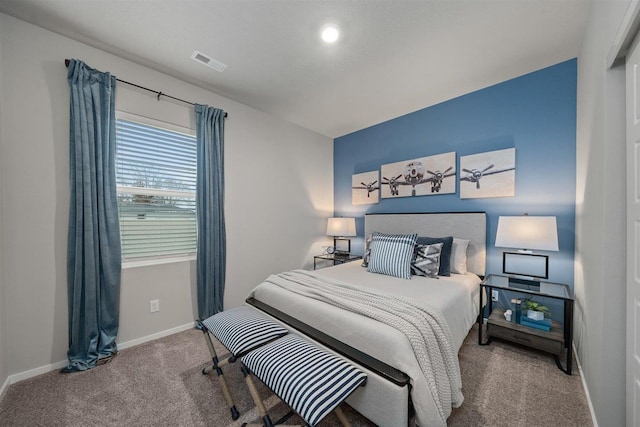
x=158 y=93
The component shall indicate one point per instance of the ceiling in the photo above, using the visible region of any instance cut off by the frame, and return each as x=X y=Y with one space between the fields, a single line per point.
x=393 y=57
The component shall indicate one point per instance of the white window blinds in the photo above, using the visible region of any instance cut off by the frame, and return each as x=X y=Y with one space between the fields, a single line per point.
x=156 y=178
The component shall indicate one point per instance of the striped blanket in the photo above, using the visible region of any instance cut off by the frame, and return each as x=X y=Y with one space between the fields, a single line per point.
x=424 y=327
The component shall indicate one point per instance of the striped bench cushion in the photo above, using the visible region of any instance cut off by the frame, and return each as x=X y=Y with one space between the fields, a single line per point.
x=243 y=329
x=309 y=379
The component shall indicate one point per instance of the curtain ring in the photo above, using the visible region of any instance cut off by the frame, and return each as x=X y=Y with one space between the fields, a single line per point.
x=159 y=94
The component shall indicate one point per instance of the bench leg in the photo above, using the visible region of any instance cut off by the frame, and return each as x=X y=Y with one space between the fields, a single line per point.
x=343 y=419
x=262 y=410
x=212 y=352
x=217 y=366
x=256 y=398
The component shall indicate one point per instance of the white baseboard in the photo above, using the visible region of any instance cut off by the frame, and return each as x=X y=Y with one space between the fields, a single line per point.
x=4 y=388
x=157 y=335
x=21 y=376
x=584 y=386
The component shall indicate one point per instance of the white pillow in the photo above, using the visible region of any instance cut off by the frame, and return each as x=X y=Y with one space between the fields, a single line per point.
x=459 y=256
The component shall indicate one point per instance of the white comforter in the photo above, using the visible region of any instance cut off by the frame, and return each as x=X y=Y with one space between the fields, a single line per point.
x=456 y=297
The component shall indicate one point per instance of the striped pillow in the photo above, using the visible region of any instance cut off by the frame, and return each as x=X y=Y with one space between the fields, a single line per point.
x=392 y=254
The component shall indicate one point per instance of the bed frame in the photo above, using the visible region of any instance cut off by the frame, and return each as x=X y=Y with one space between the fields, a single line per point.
x=466 y=225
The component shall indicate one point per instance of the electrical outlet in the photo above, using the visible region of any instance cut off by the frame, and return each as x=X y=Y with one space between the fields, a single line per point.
x=154 y=305
x=495 y=295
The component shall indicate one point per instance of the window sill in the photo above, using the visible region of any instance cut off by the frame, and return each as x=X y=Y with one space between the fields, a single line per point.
x=157 y=261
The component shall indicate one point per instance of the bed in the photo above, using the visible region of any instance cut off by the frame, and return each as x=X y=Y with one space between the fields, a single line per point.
x=386 y=400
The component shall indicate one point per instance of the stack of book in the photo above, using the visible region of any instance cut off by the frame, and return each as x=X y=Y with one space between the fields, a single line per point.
x=544 y=324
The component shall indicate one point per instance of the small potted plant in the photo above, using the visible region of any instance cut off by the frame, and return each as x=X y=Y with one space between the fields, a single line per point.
x=535 y=310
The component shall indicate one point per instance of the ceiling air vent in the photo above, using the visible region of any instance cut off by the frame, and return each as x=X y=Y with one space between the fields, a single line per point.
x=208 y=61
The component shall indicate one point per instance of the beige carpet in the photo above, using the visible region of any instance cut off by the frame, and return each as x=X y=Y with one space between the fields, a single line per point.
x=160 y=384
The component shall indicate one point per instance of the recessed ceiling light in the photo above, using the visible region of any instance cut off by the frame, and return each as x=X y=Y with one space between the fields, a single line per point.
x=330 y=33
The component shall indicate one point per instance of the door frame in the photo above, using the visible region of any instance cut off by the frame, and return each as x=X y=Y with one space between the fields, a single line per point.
x=627 y=39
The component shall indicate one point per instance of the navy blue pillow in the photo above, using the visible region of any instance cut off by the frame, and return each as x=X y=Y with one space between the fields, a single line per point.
x=445 y=254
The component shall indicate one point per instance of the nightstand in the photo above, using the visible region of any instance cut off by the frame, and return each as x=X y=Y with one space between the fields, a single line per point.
x=335 y=259
x=555 y=341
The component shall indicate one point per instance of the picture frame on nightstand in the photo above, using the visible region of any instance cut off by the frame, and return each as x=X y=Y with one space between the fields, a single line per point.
x=528 y=265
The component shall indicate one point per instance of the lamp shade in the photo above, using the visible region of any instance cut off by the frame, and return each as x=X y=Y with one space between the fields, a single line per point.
x=527 y=232
x=341 y=227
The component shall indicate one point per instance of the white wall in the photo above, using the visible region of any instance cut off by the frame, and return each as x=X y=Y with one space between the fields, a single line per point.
x=279 y=190
x=3 y=323
x=599 y=331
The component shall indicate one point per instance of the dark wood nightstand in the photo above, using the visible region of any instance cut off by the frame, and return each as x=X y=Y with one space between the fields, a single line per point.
x=555 y=341
x=336 y=259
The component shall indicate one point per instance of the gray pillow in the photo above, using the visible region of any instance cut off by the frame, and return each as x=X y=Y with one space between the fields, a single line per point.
x=445 y=257
x=426 y=260
x=367 y=250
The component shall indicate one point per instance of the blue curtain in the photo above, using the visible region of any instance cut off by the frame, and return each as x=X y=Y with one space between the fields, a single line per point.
x=93 y=258
x=212 y=240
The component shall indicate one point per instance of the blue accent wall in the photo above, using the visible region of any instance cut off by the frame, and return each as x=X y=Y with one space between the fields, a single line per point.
x=535 y=113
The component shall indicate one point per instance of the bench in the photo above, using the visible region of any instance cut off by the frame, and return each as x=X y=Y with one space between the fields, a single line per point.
x=240 y=330
x=311 y=380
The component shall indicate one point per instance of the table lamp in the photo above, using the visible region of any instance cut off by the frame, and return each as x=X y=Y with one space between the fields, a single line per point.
x=341 y=229
x=527 y=233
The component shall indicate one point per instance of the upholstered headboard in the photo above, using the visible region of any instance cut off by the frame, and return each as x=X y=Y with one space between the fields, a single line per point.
x=465 y=225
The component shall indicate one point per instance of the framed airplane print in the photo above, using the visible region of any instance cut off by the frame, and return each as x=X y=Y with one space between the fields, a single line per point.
x=490 y=174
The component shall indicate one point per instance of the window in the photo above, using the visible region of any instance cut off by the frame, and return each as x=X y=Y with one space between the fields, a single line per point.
x=156 y=179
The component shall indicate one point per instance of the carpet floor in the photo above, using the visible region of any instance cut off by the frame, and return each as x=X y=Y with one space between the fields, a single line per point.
x=160 y=384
